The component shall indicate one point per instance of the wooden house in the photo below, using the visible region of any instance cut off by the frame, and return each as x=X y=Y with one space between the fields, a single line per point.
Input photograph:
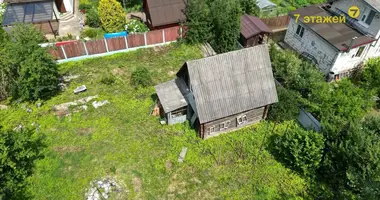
x=43 y=14
x=221 y=93
x=253 y=31
x=164 y=13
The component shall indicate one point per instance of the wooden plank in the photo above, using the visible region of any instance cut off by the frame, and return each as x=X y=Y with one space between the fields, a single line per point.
x=154 y=37
x=136 y=40
x=171 y=34
x=96 y=47
x=115 y=44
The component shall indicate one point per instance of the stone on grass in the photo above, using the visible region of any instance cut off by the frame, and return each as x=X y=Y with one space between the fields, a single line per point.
x=62 y=86
x=98 y=104
x=69 y=78
x=80 y=89
x=63 y=109
x=103 y=189
x=3 y=107
x=182 y=154
x=39 y=105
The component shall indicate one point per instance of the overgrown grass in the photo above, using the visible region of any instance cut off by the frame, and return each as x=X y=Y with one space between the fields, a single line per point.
x=122 y=140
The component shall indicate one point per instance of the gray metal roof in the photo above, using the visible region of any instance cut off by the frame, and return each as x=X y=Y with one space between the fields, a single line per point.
x=28 y=12
x=374 y=3
x=170 y=95
x=265 y=4
x=231 y=83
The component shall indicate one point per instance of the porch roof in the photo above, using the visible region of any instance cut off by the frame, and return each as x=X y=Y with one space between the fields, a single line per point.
x=170 y=95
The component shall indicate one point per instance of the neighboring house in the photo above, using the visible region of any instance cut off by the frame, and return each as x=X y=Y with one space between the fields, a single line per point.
x=42 y=13
x=164 y=13
x=253 y=31
x=220 y=93
x=337 y=48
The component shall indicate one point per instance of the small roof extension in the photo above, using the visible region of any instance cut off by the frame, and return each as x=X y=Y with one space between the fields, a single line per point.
x=170 y=95
x=165 y=12
x=251 y=26
x=338 y=35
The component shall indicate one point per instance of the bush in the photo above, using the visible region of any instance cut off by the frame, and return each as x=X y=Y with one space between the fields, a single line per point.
x=108 y=80
x=92 y=18
x=287 y=107
x=85 y=6
x=92 y=33
x=136 y=26
x=141 y=77
x=112 y=16
x=300 y=149
x=19 y=150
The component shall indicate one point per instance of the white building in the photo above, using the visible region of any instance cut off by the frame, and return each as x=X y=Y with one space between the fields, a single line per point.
x=338 y=47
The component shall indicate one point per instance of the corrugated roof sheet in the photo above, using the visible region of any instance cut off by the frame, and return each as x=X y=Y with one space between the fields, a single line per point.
x=251 y=26
x=265 y=4
x=337 y=34
x=28 y=12
x=231 y=83
x=164 y=12
x=170 y=95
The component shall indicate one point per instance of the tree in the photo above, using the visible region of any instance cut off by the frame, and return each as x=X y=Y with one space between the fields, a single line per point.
x=287 y=107
x=369 y=76
x=225 y=18
x=198 y=22
x=111 y=15
x=250 y=7
x=300 y=149
x=92 y=18
x=18 y=153
x=28 y=72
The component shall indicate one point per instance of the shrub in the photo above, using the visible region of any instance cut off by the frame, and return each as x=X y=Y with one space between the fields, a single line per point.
x=112 y=16
x=92 y=18
x=92 y=33
x=108 y=80
x=300 y=149
x=136 y=26
x=19 y=150
x=85 y=6
x=287 y=107
x=141 y=77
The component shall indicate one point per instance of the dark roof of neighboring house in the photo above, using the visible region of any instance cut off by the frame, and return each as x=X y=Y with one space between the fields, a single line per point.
x=164 y=12
x=28 y=12
x=251 y=26
x=170 y=95
x=337 y=34
x=231 y=83
x=23 y=1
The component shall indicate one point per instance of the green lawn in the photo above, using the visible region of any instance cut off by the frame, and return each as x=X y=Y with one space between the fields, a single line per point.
x=123 y=141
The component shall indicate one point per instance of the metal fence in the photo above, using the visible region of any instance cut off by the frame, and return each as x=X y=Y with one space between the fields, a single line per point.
x=72 y=49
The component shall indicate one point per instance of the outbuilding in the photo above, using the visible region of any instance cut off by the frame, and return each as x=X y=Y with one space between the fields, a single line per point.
x=253 y=31
x=220 y=93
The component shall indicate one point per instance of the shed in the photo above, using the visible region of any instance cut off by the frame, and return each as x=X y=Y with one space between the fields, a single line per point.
x=223 y=93
x=253 y=31
x=171 y=101
x=164 y=13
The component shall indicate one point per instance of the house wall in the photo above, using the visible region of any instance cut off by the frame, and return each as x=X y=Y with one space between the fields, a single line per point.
x=311 y=43
x=253 y=116
x=175 y=120
x=346 y=61
x=69 y=5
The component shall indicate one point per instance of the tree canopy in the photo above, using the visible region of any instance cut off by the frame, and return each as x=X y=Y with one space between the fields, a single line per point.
x=111 y=15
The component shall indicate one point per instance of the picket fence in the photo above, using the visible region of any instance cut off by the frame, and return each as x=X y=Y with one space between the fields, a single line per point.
x=71 y=49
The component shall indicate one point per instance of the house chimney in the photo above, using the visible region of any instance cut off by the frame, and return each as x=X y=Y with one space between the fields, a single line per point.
x=351 y=43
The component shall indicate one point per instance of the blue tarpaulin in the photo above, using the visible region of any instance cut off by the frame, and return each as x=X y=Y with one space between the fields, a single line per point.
x=112 y=35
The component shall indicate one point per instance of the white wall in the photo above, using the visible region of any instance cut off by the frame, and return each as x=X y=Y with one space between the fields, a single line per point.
x=347 y=60
x=313 y=44
x=69 y=5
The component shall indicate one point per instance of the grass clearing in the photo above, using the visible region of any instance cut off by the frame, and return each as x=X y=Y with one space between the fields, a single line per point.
x=123 y=141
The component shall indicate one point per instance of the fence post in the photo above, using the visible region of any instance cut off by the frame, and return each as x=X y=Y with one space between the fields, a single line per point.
x=163 y=35
x=105 y=41
x=126 y=42
x=180 y=30
x=85 y=48
x=64 y=53
x=145 y=38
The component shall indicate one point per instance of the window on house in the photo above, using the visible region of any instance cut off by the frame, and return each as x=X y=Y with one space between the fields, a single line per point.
x=210 y=129
x=242 y=119
x=225 y=125
x=370 y=17
x=300 y=30
x=359 y=52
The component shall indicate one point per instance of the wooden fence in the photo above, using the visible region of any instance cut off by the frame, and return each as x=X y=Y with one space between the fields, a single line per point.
x=277 y=23
x=66 y=50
